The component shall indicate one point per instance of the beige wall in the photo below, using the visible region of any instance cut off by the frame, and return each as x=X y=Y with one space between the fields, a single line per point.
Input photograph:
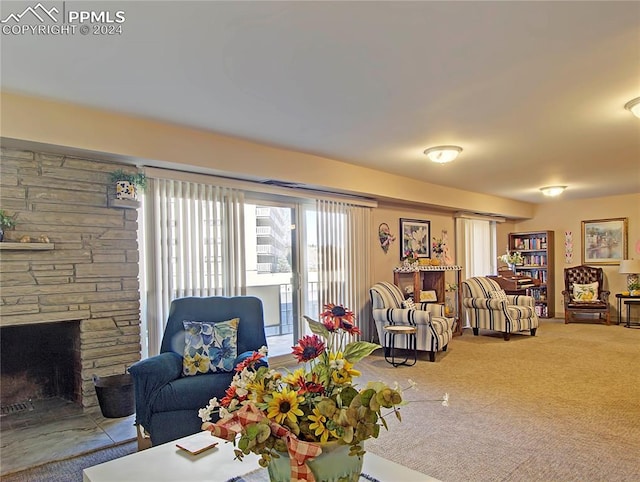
x=559 y=216
x=383 y=263
x=161 y=144
x=145 y=142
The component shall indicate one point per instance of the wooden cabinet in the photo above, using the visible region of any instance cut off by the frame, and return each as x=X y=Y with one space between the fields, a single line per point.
x=536 y=248
x=423 y=279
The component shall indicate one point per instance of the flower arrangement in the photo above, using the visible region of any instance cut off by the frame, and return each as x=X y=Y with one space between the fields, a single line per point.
x=410 y=256
x=438 y=245
x=278 y=413
x=511 y=257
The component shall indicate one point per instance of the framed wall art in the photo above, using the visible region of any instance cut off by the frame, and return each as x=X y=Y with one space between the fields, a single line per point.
x=604 y=241
x=416 y=235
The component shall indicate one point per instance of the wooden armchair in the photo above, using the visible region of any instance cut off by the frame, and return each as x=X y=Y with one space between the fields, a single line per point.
x=584 y=293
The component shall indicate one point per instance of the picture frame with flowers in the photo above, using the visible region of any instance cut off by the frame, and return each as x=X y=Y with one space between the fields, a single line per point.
x=416 y=236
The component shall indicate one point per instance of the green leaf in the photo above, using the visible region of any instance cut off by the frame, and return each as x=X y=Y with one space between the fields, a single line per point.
x=347 y=395
x=357 y=350
x=318 y=328
x=384 y=423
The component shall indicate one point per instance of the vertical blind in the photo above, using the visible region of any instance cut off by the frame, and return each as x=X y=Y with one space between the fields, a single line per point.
x=344 y=259
x=194 y=235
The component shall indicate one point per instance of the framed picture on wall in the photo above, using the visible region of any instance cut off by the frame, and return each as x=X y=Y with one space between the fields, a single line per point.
x=604 y=241
x=415 y=238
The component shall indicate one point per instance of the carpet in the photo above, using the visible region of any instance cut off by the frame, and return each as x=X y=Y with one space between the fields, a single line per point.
x=560 y=406
x=70 y=470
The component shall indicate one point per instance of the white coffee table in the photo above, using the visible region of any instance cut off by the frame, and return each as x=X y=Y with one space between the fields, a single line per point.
x=167 y=463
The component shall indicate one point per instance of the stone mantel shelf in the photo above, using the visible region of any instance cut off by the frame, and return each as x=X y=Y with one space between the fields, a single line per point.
x=49 y=317
x=8 y=245
x=124 y=203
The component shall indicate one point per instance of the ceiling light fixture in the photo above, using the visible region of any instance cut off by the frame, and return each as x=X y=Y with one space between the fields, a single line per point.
x=442 y=154
x=633 y=106
x=552 y=190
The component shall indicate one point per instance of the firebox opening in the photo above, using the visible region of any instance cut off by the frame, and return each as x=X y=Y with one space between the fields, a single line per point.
x=40 y=361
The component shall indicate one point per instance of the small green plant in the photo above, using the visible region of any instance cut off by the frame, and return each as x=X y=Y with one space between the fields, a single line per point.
x=138 y=179
x=6 y=221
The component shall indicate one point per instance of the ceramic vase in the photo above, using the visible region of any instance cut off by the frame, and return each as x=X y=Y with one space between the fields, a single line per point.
x=334 y=464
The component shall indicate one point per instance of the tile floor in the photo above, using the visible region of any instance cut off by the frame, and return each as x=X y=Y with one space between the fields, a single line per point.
x=56 y=429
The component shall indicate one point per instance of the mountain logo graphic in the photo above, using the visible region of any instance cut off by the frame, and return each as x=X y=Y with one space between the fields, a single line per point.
x=38 y=11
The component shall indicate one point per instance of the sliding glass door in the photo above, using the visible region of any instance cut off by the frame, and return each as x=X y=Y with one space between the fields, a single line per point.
x=271 y=264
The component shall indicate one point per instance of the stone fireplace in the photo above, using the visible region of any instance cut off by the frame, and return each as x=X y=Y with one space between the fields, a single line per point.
x=69 y=309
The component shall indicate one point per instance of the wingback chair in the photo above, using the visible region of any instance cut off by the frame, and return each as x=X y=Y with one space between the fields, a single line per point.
x=487 y=306
x=584 y=293
x=167 y=400
x=434 y=329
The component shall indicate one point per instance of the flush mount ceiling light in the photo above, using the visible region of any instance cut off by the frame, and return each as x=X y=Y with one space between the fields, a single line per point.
x=633 y=106
x=552 y=190
x=442 y=154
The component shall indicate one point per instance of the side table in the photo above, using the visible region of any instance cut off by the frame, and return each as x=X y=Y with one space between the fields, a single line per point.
x=624 y=298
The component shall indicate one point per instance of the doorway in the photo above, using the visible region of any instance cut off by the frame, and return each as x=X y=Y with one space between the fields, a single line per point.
x=272 y=274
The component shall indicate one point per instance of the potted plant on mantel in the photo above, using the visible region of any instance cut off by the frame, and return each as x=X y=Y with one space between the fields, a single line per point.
x=6 y=222
x=128 y=184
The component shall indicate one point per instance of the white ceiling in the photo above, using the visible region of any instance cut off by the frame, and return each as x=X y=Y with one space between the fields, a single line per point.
x=532 y=91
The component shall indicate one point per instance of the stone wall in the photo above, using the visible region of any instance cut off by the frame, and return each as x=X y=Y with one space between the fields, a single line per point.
x=90 y=276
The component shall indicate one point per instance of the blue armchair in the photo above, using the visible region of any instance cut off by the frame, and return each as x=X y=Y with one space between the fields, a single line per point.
x=167 y=402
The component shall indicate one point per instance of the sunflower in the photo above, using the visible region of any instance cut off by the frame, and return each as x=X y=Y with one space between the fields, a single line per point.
x=257 y=388
x=296 y=378
x=308 y=348
x=336 y=317
x=310 y=386
x=284 y=406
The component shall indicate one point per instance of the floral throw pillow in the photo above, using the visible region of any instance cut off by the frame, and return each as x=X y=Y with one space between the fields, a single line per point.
x=588 y=292
x=209 y=346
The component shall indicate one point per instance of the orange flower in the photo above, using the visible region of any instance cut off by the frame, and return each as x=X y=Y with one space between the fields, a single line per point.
x=336 y=317
x=308 y=348
x=249 y=361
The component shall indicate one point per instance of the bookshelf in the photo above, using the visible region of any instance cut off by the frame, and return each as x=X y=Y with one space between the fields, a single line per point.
x=536 y=248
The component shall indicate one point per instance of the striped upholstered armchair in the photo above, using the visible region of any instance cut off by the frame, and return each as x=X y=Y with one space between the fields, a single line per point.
x=488 y=307
x=434 y=330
